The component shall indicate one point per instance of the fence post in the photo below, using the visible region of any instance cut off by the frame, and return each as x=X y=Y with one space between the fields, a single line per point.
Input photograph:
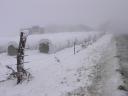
x=74 y=47
x=20 y=58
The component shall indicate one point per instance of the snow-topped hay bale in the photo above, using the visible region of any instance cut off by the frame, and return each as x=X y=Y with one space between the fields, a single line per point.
x=45 y=46
x=12 y=48
x=4 y=44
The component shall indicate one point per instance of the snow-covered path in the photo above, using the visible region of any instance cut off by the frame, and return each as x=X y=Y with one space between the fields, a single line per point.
x=108 y=80
x=112 y=75
x=122 y=46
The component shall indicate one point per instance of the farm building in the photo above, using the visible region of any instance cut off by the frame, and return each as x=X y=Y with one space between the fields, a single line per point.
x=33 y=30
x=67 y=28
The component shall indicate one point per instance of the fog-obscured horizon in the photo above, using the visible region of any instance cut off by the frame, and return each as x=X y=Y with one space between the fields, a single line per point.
x=106 y=15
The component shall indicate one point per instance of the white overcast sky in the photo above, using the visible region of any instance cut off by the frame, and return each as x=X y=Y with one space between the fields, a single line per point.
x=15 y=14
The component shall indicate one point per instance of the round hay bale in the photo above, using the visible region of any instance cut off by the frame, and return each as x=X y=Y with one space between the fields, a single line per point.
x=12 y=48
x=45 y=46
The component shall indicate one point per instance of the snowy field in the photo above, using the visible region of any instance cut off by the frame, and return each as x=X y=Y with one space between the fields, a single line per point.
x=89 y=72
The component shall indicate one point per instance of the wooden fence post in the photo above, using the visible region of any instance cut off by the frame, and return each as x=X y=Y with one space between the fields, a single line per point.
x=20 y=58
x=74 y=47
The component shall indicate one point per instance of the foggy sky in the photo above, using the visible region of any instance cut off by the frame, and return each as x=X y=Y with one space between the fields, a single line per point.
x=15 y=14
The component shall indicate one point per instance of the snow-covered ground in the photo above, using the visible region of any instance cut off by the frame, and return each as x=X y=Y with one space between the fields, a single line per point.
x=66 y=74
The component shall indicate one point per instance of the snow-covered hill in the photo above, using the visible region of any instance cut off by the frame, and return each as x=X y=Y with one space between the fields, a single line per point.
x=63 y=73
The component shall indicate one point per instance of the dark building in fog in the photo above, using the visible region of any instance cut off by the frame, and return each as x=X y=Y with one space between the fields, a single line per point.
x=34 y=30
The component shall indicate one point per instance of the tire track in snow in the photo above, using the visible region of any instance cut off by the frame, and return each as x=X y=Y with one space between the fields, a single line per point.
x=107 y=79
x=122 y=48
